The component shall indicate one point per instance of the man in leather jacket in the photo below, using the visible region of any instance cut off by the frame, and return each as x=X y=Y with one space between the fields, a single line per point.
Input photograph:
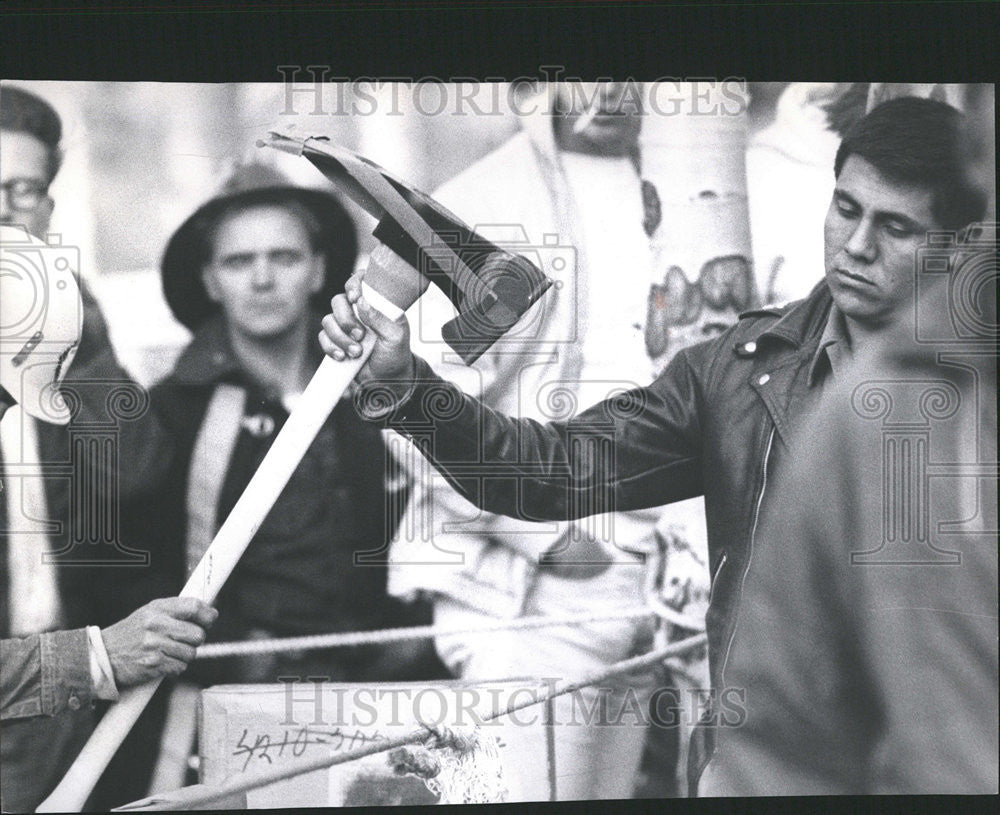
x=720 y=417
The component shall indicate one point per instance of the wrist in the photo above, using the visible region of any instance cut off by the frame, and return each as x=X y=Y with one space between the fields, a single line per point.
x=101 y=671
x=377 y=399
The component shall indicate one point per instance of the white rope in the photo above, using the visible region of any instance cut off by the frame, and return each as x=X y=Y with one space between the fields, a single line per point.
x=197 y=799
x=354 y=638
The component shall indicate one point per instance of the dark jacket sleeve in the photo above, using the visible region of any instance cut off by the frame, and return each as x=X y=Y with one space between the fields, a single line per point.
x=638 y=449
x=44 y=674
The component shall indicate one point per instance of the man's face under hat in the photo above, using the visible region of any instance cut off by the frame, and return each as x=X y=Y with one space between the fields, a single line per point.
x=263 y=271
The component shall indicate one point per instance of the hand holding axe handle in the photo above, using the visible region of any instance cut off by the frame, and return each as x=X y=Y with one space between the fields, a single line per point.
x=421 y=243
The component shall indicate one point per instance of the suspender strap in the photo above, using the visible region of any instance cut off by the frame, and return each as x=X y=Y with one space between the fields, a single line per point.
x=213 y=449
x=210 y=459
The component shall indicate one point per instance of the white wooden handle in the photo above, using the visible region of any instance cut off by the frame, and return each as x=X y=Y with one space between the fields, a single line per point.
x=322 y=393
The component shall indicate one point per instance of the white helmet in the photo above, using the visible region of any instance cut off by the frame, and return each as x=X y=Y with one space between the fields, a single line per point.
x=41 y=317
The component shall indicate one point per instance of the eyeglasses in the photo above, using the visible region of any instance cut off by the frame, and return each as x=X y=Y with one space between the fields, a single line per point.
x=25 y=194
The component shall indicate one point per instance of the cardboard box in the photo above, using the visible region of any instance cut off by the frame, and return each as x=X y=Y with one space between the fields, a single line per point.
x=248 y=728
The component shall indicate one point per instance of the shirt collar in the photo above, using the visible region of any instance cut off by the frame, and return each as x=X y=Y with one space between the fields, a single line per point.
x=834 y=347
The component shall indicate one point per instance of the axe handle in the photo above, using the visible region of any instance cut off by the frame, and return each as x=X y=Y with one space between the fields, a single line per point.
x=323 y=392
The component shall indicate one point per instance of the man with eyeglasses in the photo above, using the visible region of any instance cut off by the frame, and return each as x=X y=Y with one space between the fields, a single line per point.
x=55 y=660
x=24 y=195
x=30 y=161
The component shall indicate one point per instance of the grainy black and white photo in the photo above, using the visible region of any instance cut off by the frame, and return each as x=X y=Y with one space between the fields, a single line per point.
x=375 y=442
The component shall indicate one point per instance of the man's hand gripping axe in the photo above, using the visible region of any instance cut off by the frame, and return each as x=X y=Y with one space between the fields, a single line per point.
x=421 y=243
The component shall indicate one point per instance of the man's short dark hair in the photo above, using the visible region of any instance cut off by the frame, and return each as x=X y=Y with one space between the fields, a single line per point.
x=911 y=140
x=23 y=112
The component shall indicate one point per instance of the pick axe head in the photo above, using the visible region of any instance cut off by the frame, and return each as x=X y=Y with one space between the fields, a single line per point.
x=490 y=287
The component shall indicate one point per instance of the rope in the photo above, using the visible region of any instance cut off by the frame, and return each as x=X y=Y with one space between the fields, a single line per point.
x=352 y=638
x=254 y=781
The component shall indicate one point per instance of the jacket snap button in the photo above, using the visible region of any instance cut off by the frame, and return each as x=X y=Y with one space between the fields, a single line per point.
x=764 y=379
x=73 y=703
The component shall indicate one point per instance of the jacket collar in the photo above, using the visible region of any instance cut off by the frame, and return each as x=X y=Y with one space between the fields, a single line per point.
x=834 y=346
x=783 y=385
x=804 y=320
x=209 y=357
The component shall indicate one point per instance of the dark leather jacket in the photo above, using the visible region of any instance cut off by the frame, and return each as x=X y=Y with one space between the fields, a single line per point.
x=867 y=633
x=711 y=424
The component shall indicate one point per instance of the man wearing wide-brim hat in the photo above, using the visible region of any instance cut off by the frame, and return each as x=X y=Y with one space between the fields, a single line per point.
x=330 y=230
x=250 y=273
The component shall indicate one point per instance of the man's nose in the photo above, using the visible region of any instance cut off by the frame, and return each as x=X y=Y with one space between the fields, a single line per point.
x=861 y=243
x=263 y=273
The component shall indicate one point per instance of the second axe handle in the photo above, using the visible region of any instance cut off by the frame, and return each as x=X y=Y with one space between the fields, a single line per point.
x=321 y=395
x=402 y=286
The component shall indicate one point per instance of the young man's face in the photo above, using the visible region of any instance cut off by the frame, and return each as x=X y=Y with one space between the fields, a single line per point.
x=263 y=272
x=873 y=230
x=24 y=163
x=613 y=127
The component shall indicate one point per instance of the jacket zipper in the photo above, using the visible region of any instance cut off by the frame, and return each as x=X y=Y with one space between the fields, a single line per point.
x=739 y=596
x=746 y=569
x=718 y=571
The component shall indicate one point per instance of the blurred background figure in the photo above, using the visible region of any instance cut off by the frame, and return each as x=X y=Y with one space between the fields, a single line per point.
x=565 y=190
x=249 y=274
x=51 y=679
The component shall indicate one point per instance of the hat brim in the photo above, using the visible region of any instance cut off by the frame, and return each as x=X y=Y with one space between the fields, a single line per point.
x=186 y=252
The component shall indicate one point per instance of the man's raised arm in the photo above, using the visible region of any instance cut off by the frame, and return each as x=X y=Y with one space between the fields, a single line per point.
x=634 y=450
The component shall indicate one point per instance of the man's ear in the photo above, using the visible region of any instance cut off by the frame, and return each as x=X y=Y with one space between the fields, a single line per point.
x=208 y=281
x=318 y=273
